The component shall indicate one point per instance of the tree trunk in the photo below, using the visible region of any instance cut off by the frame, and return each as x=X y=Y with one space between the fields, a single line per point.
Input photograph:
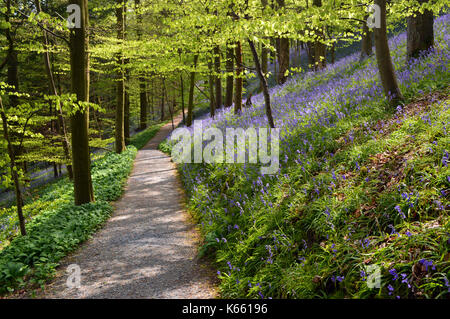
x=163 y=102
x=283 y=53
x=264 y=62
x=366 y=41
x=263 y=80
x=420 y=34
x=218 y=80
x=230 y=78
x=126 y=117
x=142 y=83
x=14 y=175
x=182 y=96
x=79 y=63
x=120 y=109
x=283 y=58
x=211 y=80
x=320 y=49
x=191 y=94
x=385 y=66
x=264 y=54
x=239 y=79
x=13 y=62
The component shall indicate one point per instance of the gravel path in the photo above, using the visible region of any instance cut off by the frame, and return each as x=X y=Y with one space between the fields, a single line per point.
x=148 y=247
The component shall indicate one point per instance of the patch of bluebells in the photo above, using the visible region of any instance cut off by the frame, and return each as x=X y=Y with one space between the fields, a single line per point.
x=311 y=100
x=428 y=264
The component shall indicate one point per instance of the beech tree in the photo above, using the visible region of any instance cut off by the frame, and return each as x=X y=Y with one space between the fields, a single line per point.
x=79 y=65
x=384 y=60
x=420 y=33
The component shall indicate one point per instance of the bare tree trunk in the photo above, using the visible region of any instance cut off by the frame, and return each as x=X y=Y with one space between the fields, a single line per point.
x=211 y=80
x=264 y=54
x=230 y=78
x=420 y=34
x=238 y=80
x=366 y=41
x=81 y=161
x=191 y=94
x=320 y=49
x=12 y=59
x=15 y=177
x=263 y=80
x=120 y=108
x=385 y=66
x=163 y=102
x=283 y=52
x=182 y=96
x=169 y=104
x=218 y=80
x=264 y=62
x=142 y=84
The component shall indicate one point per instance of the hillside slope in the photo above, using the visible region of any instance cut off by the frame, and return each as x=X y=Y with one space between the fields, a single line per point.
x=359 y=185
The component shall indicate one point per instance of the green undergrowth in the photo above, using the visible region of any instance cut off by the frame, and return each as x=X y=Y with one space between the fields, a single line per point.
x=381 y=200
x=367 y=203
x=58 y=226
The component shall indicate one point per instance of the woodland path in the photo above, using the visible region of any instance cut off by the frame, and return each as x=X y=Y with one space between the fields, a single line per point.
x=148 y=248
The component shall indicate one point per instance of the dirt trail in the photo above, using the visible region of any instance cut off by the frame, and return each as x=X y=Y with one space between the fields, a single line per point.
x=148 y=248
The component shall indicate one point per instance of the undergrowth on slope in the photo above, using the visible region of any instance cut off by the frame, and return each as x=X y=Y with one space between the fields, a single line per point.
x=359 y=185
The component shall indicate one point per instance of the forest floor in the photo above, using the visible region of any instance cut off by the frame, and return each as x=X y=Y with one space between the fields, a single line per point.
x=148 y=248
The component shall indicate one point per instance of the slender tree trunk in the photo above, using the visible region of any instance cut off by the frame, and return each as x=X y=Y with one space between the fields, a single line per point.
x=142 y=83
x=218 y=80
x=120 y=108
x=239 y=79
x=385 y=66
x=366 y=41
x=264 y=54
x=264 y=62
x=420 y=33
x=152 y=104
x=211 y=80
x=14 y=175
x=320 y=49
x=283 y=53
x=182 y=96
x=163 y=102
x=169 y=104
x=310 y=50
x=283 y=57
x=81 y=162
x=12 y=57
x=126 y=117
x=191 y=94
x=230 y=77
x=263 y=80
